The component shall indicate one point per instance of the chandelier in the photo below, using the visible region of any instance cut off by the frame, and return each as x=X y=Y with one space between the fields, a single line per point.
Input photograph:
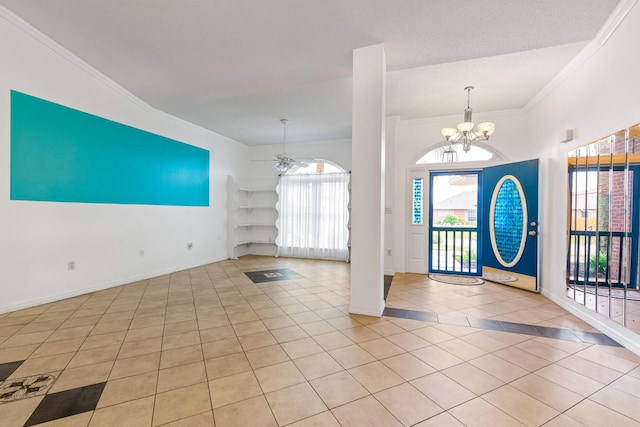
x=465 y=133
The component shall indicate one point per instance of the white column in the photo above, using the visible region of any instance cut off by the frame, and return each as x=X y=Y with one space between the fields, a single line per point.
x=367 y=181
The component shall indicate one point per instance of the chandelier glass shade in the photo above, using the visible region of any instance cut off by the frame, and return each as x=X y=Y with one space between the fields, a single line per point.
x=466 y=133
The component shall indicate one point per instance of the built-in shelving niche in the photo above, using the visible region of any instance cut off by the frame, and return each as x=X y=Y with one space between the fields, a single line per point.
x=252 y=217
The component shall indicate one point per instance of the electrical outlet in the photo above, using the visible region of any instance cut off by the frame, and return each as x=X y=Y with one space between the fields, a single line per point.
x=141 y=252
x=71 y=265
x=189 y=245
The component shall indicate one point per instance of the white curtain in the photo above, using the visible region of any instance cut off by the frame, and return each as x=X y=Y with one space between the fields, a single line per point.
x=313 y=216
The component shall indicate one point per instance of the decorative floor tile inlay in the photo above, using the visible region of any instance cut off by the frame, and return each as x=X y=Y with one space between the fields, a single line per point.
x=6 y=369
x=66 y=403
x=22 y=388
x=272 y=275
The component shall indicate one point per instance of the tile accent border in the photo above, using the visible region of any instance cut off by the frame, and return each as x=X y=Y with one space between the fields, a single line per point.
x=518 y=328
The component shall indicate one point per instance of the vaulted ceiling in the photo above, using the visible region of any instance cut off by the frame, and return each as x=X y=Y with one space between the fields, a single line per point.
x=238 y=66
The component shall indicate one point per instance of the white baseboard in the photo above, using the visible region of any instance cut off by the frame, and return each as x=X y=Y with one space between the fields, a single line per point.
x=366 y=311
x=611 y=329
x=101 y=286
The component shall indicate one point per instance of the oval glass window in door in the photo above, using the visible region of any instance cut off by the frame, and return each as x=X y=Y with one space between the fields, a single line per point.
x=508 y=221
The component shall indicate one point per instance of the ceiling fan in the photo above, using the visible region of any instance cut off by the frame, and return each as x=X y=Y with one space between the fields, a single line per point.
x=284 y=162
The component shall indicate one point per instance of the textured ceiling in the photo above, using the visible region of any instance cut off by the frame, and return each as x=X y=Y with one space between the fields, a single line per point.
x=238 y=66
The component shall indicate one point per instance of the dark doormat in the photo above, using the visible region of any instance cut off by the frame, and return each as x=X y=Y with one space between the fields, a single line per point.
x=272 y=275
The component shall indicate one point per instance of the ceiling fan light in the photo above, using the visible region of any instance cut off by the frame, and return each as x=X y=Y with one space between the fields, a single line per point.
x=283 y=161
x=466 y=126
x=281 y=166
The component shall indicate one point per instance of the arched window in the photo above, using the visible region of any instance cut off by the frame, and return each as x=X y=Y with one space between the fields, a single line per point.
x=313 y=212
x=321 y=166
x=475 y=154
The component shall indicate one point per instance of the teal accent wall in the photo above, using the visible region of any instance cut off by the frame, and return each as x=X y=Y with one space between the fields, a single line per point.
x=59 y=154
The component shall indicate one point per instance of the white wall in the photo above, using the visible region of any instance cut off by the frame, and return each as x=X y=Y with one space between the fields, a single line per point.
x=598 y=98
x=38 y=238
x=596 y=95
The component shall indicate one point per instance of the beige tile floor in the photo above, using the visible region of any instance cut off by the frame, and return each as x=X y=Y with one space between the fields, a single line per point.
x=624 y=312
x=208 y=346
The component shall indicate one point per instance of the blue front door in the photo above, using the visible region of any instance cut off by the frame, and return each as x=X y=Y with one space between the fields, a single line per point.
x=510 y=224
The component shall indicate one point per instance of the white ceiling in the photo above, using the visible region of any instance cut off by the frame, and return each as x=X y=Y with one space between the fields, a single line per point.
x=238 y=66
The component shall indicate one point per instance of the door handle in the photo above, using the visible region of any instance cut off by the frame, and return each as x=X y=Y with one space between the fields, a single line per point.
x=532 y=233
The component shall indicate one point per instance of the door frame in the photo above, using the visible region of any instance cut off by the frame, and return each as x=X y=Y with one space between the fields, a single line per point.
x=412 y=262
x=416 y=258
x=478 y=228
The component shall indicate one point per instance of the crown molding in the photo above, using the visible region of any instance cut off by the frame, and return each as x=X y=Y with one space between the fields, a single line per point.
x=615 y=19
x=23 y=26
x=61 y=51
x=610 y=26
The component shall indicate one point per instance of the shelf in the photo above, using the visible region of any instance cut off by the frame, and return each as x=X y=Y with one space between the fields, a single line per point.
x=248 y=190
x=256 y=242
x=252 y=218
